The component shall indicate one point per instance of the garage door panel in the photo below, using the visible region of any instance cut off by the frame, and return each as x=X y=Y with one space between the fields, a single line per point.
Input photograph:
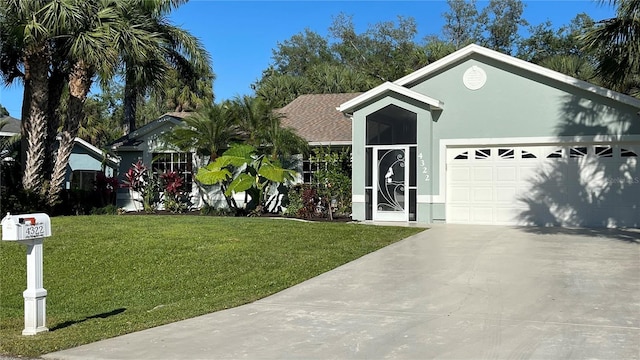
x=482 y=215
x=484 y=173
x=460 y=194
x=506 y=173
x=507 y=215
x=482 y=194
x=570 y=185
x=506 y=194
x=459 y=214
x=458 y=173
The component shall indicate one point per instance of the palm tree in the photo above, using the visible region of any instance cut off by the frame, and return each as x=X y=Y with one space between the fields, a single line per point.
x=576 y=66
x=88 y=51
x=253 y=118
x=147 y=67
x=26 y=33
x=617 y=42
x=262 y=129
x=207 y=131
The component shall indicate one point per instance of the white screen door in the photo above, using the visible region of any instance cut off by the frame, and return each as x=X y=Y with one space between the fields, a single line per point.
x=390 y=185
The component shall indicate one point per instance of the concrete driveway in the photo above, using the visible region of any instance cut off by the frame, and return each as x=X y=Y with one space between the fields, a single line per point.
x=451 y=292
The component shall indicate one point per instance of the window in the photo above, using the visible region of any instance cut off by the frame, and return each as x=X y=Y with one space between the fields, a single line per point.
x=483 y=153
x=392 y=125
x=309 y=168
x=627 y=153
x=463 y=156
x=555 y=155
x=527 y=155
x=182 y=163
x=83 y=180
x=506 y=153
x=604 y=151
x=578 y=152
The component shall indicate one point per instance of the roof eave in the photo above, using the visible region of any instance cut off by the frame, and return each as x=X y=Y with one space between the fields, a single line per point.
x=525 y=65
x=389 y=87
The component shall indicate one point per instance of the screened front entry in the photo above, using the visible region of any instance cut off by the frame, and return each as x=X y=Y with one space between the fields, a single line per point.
x=391 y=165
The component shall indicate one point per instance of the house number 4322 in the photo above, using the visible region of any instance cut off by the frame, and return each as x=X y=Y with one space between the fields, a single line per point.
x=425 y=170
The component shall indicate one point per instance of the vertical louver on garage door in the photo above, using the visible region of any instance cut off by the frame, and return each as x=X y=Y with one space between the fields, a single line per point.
x=581 y=185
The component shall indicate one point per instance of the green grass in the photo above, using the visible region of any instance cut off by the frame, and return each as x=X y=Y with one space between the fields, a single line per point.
x=111 y=275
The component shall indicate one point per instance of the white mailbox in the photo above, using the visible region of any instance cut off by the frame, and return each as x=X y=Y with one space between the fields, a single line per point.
x=30 y=230
x=26 y=227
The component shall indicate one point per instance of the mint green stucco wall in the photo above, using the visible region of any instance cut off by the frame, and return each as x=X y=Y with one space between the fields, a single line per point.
x=514 y=103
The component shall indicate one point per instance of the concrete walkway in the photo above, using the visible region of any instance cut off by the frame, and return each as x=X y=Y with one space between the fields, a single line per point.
x=452 y=292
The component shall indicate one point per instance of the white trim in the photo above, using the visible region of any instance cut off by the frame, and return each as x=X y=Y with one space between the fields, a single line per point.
x=96 y=151
x=472 y=142
x=389 y=87
x=510 y=60
x=358 y=198
x=7 y=134
x=429 y=199
x=330 y=143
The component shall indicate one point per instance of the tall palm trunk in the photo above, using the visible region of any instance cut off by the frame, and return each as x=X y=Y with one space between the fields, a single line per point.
x=56 y=88
x=79 y=86
x=35 y=79
x=130 y=101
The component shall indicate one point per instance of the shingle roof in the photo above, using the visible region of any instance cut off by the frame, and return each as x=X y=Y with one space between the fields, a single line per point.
x=132 y=139
x=13 y=125
x=315 y=117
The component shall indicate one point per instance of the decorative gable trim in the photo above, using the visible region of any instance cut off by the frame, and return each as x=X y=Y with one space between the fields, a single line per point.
x=519 y=63
x=385 y=88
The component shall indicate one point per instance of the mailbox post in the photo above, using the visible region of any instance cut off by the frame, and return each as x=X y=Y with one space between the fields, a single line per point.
x=30 y=230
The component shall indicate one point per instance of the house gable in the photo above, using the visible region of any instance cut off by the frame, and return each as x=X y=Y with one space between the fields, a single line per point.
x=146 y=137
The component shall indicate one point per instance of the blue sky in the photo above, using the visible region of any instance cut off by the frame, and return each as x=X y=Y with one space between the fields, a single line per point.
x=240 y=35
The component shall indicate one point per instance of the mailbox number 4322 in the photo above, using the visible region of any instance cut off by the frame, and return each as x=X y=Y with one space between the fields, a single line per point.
x=34 y=231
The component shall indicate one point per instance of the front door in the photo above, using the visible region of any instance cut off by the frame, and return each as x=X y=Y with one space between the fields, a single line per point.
x=390 y=187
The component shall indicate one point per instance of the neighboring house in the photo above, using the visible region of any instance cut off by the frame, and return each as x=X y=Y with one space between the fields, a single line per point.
x=145 y=144
x=11 y=128
x=480 y=137
x=85 y=160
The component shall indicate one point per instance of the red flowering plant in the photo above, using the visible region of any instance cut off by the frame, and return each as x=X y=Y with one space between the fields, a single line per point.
x=139 y=179
x=175 y=199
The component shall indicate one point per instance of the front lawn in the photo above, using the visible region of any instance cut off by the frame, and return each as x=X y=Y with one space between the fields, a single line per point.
x=111 y=275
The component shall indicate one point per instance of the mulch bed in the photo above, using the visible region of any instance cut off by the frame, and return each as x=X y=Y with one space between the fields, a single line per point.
x=266 y=215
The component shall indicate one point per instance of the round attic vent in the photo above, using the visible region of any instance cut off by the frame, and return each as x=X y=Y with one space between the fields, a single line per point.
x=474 y=78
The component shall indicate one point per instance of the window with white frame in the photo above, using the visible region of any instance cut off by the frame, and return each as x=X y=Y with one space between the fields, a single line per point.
x=181 y=163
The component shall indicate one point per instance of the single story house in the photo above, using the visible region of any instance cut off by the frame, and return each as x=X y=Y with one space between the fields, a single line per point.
x=480 y=137
x=85 y=160
x=145 y=144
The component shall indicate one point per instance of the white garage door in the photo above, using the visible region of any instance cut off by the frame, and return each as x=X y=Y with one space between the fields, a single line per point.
x=580 y=185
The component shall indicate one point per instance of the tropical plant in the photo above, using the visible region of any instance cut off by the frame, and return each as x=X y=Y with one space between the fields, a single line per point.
x=207 y=131
x=143 y=187
x=616 y=42
x=241 y=169
x=58 y=47
x=333 y=180
x=148 y=67
x=175 y=199
x=261 y=128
